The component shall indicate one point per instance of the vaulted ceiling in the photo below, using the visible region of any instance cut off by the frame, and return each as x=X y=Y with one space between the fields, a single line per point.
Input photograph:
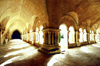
x=21 y=14
x=86 y=10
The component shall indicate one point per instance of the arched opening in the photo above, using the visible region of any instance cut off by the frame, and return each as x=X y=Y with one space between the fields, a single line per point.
x=85 y=35
x=41 y=35
x=63 y=37
x=80 y=35
x=97 y=36
x=16 y=35
x=31 y=35
x=37 y=35
x=71 y=35
x=91 y=35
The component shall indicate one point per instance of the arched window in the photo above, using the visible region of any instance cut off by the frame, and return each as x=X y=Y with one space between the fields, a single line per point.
x=63 y=36
x=97 y=36
x=31 y=35
x=41 y=35
x=37 y=35
x=85 y=35
x=71 y=35
x=92 y=36
x=80 y=35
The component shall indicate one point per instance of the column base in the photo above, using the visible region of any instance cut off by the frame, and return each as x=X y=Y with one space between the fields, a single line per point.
x=89 y=42
x=50 y=49
x=78 y=44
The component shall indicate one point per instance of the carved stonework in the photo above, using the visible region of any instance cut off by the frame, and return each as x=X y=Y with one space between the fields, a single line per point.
x=49 y=46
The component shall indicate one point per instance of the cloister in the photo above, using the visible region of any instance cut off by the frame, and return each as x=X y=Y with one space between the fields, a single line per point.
x=53 y=26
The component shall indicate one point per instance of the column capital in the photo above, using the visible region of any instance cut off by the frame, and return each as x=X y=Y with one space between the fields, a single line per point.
x=52 y=45
x=51 y=30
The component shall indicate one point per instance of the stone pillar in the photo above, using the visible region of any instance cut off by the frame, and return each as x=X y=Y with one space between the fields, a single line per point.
x=68 y=37
x=95 y=37
x=88 y=38
x=77 y=38
x=0 y=37
x=44 y=35
x=49 y=38
x=33 y=37
x=50 y=45
x=52 y=37
x=88 y=34
x=56 y=38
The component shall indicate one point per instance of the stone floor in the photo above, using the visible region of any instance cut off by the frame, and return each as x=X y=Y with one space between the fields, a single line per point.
x=19 y=53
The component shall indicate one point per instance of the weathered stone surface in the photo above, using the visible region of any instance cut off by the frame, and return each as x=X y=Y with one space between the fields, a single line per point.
x=19 y=53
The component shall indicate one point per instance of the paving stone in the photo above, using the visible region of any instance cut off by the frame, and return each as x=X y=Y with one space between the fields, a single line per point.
x=29 y=56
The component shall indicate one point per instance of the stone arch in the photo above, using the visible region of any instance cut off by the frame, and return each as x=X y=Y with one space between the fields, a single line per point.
x=63 y=42
x=16 y=34
x=71 y=35
x=12 y=21
x=41 y=34
x=4 y=21
x=37 y=23
x=70 y=19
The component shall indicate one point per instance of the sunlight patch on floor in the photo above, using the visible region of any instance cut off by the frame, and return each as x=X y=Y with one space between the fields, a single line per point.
x=9 y=61
x=95 y=45
x=24 y=51
x=86 y=50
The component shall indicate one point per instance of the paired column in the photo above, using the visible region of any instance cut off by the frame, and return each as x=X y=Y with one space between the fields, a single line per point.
x=88 y=38
x=68 y=37
x=77 y=38
x=95 y=37
x=50 y=45
x=33 y=41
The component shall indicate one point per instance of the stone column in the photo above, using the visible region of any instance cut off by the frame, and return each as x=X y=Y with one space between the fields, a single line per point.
x=95 y=37
x=33 y=41
x=0 y=37
x=77 y=38
x=68 y=37
x=88 y=38
x=52 y=38
x=44 y=36
x=56 y=38
x=88 y=34
x=50 y=47
x=49 y=38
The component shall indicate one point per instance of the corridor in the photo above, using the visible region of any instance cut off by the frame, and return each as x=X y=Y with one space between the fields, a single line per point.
x=20 y=53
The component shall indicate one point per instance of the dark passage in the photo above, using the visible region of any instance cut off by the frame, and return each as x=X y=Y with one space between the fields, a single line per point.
x=16 y=35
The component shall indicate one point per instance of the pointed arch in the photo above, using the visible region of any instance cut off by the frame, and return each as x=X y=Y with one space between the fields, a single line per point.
x=16 y=35
x=71 y=19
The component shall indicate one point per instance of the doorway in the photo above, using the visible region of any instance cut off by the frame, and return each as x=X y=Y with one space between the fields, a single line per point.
x=63 y=37
x=16 y=35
